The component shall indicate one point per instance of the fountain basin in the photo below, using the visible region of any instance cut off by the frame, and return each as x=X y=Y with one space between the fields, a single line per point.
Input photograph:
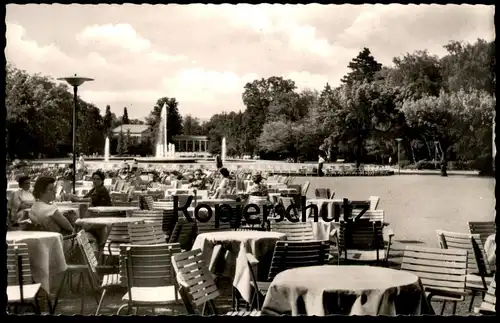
x=167 y=160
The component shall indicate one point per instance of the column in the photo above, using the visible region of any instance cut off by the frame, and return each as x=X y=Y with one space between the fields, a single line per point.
x=206 y=141
x=199 y=146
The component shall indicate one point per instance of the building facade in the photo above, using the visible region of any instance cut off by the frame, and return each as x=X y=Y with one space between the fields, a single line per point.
x=185 y=143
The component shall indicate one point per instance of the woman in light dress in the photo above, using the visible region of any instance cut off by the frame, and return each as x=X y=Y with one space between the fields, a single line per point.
x=20 y=201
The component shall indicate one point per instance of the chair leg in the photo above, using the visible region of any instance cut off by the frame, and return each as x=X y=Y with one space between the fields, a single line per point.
x=442 y=308
x=454 y=308
x=53 y=310
x=92 y=287
x=100 y=301
x=82 y=279
x=473 y=296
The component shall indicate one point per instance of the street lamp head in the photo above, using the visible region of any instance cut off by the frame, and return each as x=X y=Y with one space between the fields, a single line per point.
x=75 y=80
x=399 y=139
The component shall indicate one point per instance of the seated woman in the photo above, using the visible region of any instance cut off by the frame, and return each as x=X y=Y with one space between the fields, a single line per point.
x=98 y=195
x=46 y=215
x=257 y=188
x=198 y=181
x=20 y=201
x=225 y=183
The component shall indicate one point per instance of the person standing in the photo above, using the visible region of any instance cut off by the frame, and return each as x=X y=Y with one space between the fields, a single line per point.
x=321 y=161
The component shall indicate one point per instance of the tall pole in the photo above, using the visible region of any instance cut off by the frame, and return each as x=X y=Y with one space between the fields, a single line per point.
x=399 y=155
x=165 y=145
x=75 y=82
x=75 y=107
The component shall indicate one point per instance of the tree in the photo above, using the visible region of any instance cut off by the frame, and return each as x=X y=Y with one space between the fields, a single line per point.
x=461 y=122
x=257 y=97
x=280 y=137
x=470 y=67
x=418 y=73
x=108 y=121
x=174 y=119
x=125 y=119
x=136 y=121
x=362 y=110
x=363 y=68
x=120 y=147
x=191 y=126
x=127 y=142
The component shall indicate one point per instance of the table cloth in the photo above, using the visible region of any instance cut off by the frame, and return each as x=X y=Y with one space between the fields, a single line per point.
x=345 y=290
x=239 y=243
x=46 y=254
x=81 y=206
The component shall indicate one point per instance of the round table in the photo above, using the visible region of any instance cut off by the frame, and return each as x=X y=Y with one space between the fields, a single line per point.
x=238 y=244
x=103 y=210
x=46 y=254
x=345 y=290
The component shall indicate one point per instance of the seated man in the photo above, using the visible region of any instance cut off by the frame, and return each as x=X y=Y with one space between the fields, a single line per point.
x=198 y=181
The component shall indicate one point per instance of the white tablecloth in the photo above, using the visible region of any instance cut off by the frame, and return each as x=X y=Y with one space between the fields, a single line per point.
x=239 y=243
x=46 y=254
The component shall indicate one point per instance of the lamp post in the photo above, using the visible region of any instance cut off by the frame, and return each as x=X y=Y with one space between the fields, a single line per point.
x=75 y=82
x=399 y=164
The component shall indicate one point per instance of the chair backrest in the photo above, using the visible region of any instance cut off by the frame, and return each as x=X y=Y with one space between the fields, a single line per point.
x=484 y=229
x=88 y=256
x=374 y=215
x=374 y=200
x=361 y=235
x=476 y=263
x=183 y=233
x=322 y=193
x=289 y=255
x=18 y=265
x=437 y=268
x=490 y=299
x=148 y=265
x=286 y=202
x=145 y=233
x=196 y=277
x=148 y=201
x=295 y=231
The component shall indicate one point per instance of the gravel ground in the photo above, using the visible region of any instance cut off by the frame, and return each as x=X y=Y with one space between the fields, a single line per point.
x=415 y=206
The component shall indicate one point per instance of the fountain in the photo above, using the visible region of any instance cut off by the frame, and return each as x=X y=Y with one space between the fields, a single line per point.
x=223 y=150
x=165 y=151
x=106 y=151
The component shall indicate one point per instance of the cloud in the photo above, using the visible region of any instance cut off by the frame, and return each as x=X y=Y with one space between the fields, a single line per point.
x=121 y=35
x=203 y=55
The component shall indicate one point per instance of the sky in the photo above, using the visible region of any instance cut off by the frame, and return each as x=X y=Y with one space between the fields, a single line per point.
x=203 y=55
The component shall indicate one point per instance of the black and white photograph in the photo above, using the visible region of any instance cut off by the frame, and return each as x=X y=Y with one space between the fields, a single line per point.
x=250 y=160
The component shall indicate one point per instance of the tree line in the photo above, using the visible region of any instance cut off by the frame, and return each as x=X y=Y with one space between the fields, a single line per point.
x=441 y=108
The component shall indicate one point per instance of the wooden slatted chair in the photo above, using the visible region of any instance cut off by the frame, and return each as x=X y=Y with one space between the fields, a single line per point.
x=197 y=285
x=288 y=255
x=149 y=275
x=117 y=235
x=441 y=271
x=375 y=216
x=104 y=278
x=154 y=217
x=184 y=233
x=21 y=289
x=286 y=202
x=363 y=241
x=488 y=305
x=145 y=233
x=374 y=200
x=295 y=231
x=484 y=229
x=478 y=270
